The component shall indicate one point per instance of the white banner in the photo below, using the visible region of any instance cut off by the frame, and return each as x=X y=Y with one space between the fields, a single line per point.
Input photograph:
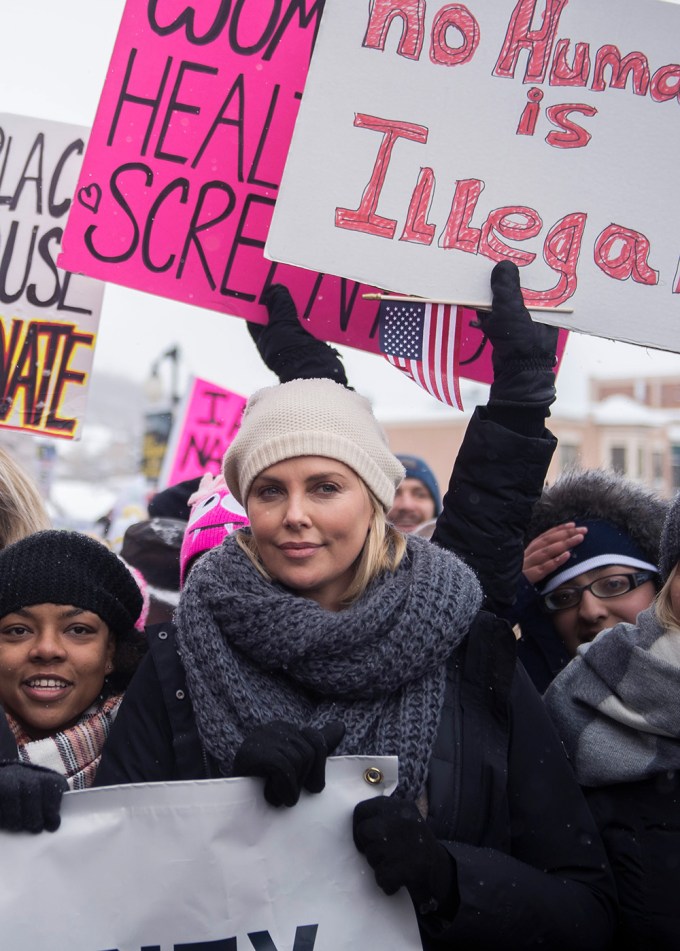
x=203 y=865
x=434 y=139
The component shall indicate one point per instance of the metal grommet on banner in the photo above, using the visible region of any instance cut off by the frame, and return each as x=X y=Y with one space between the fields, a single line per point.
x=180 y=695
x=162 y=635
x=373 y=775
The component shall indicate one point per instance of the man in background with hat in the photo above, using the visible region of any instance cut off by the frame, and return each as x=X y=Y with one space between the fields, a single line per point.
x=418 y=499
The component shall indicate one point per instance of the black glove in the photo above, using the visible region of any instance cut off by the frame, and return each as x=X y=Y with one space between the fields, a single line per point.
x=287 y=348
x=288 y=757
x=402 y=850
x=30 y=797
x=523 y=355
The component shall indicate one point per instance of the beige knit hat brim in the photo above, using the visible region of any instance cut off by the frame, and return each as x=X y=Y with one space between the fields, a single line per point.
x=311 y=418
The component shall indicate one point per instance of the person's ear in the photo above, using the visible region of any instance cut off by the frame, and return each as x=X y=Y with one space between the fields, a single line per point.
x=371 y=521
x=110 y=651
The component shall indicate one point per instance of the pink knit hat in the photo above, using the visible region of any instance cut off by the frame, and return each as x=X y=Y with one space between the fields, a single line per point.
x=214 y=514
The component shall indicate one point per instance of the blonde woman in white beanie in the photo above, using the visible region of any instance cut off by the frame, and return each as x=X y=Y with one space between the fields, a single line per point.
x=323 y=629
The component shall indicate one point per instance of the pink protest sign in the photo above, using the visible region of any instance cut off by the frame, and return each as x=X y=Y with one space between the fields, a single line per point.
x=183 y=165
x=204 y=428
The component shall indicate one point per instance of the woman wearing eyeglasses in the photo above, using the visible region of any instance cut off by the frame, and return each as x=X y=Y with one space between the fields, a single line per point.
x=591 y=563
x=582 y=606
x=616 y=709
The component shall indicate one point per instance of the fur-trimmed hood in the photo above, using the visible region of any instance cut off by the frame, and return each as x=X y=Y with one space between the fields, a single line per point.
x=581 y=494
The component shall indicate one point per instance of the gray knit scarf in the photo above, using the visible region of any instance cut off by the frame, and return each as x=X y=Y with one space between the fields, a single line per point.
x=255 y=652
x=616 y=704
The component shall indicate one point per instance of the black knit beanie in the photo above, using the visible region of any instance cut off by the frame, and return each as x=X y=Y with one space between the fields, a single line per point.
x=59 y=567
x=153 y=547
x=173 y=502
x=669 y=549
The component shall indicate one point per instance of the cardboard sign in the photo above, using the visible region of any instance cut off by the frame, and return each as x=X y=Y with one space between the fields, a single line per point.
x=436 y=138
x=184 y=163
x=48 y=317
x=203 y=865
x=205 y=427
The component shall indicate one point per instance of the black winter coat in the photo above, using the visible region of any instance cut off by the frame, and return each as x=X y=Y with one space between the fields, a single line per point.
x=497 y=478
x=8 y=746
x=502 y=798
x=541 y=649
x=640 y=826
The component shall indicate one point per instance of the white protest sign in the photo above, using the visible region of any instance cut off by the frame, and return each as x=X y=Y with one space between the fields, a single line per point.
x=434 y=139
x=189 y=865
x=48 y=317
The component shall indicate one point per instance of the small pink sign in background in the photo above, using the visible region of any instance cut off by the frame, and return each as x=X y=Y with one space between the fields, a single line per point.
x=204 y=428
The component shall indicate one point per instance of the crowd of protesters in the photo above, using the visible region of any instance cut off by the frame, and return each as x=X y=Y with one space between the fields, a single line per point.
x=319 y=596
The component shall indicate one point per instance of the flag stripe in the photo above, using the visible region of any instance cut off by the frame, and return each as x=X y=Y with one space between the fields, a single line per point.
x=445 y=325
x=430 y=363
x=456 y=359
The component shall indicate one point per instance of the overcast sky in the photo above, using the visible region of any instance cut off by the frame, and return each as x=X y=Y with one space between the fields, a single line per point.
x=53 y=63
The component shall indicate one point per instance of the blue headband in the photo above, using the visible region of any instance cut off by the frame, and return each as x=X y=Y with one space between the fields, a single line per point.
x=603 y=544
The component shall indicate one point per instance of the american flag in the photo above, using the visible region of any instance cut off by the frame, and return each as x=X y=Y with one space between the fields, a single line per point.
x=423 y=340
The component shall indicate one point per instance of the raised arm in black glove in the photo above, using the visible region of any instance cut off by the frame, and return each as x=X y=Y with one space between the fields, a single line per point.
x=288 y=757
x=523 y=351
x=402 y=850
x=30 y=797
x=288 y=348
x=501 y=466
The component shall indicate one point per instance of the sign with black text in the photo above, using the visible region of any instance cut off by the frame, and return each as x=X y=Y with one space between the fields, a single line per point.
x=205 y=426
x=198 y=865
x=48 y=317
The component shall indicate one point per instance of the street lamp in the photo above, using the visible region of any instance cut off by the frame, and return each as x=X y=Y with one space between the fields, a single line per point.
x=159 y=416
x=153 y=388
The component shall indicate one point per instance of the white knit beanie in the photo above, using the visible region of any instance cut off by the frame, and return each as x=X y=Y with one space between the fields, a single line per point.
x=311 y=418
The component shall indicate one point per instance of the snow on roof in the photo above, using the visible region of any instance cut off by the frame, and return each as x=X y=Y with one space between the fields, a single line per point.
x=623 y=411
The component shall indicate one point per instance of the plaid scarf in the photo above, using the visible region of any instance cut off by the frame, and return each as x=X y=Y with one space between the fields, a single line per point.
x=616 y=704
x=76 y=751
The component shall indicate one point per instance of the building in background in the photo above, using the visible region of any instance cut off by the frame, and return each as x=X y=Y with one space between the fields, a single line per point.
x=631 y=425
